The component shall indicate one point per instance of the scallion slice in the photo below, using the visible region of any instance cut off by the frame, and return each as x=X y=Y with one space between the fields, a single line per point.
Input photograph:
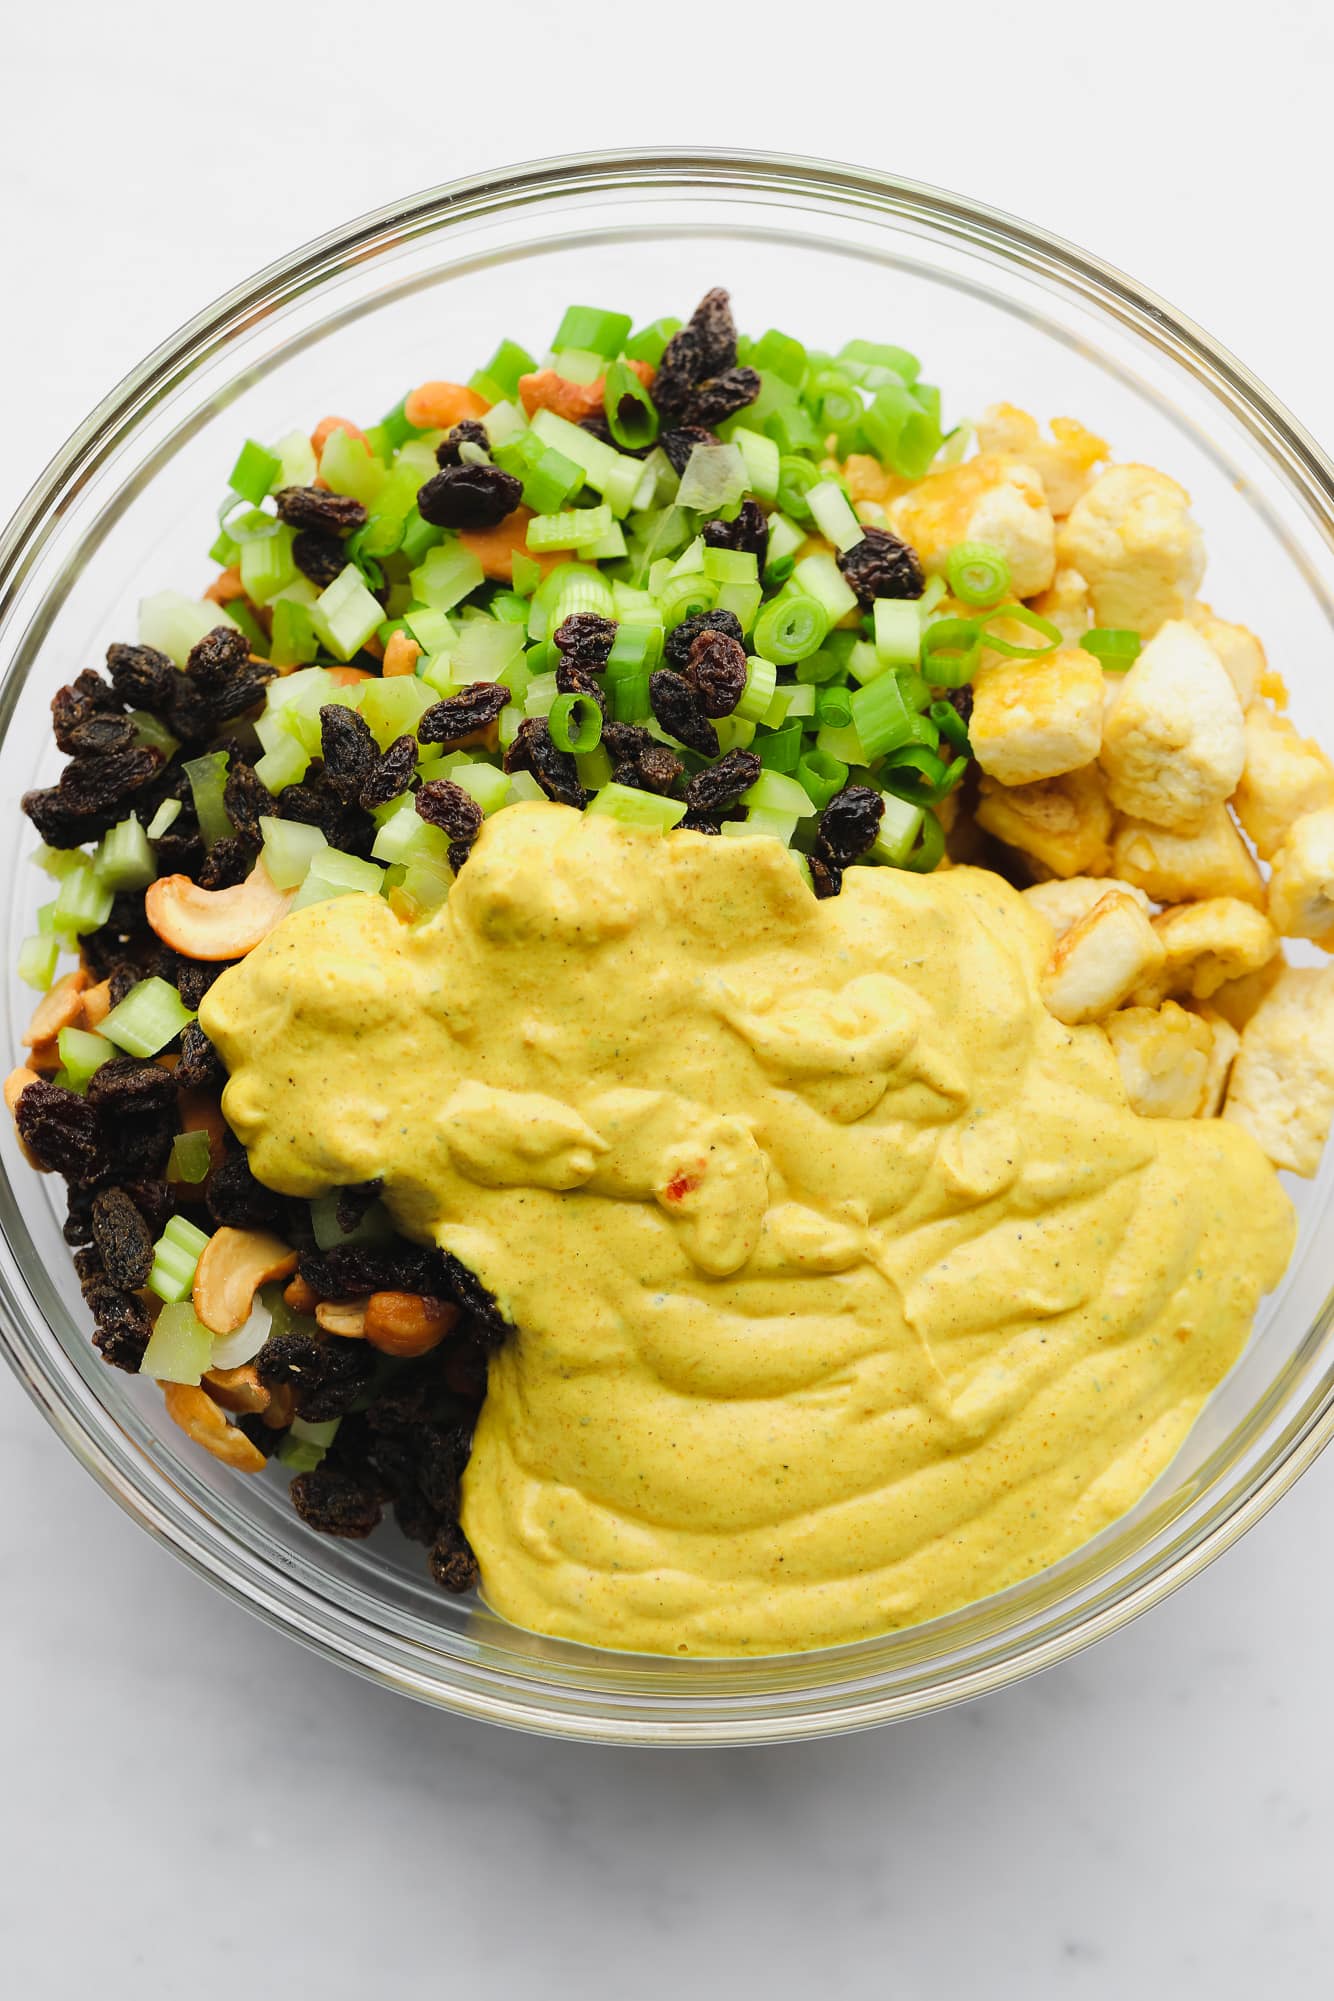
x=790 y=627
x=575 y=722
x=1115 y=647
x=978 y=573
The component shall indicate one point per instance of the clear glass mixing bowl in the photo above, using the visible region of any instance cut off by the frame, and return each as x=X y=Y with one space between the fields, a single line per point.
x=998 y=310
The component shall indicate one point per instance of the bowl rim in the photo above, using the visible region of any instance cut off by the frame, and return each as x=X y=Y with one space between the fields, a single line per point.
x=1306 y=471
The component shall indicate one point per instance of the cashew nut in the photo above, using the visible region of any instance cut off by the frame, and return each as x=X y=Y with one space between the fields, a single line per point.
x=342 y=1316
x=407 y=1323
x=96 y=1003
x=238 y=1389
x=201 y=1419
x=16 y=1083
x=44 y=1057
x=400 y=656
x=61 y=1008
x=301 y=1297
x=215 y=923
x=233 y=1265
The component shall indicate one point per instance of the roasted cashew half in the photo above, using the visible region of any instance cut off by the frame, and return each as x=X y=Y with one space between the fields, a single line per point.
x=200 y=1418
x=232 y=1267
x=215 y=923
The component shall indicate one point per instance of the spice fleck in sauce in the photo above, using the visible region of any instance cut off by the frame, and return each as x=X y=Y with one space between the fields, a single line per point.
x=849 y=1289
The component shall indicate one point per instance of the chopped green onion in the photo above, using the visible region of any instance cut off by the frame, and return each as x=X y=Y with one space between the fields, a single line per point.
x=151 y=1015
x=37 y=962
x=180 y=1347
x=796 y=477
x=1018 y=614
x=124 y=859
x=780 y=749
x=877 y=354
x=592 y=327
x=789 y=628
x=637 y=809
x=950 y=650
x=833 y=515
x=779 y=354
x=650 y=344
x=685 y=597
x=951 y=725
x=928 y=855
x=573 y=529
x=631 y=416
x=821 y=776
x=1114 y=646
x=208 y=780
x=758 y=693
x=978 y=574
x=880 y=716
x=834 y=708
x=575 y=722
x=255 y=472
x=762 y=460
x=190 y=1159
x=506 y=365
x=819 y=576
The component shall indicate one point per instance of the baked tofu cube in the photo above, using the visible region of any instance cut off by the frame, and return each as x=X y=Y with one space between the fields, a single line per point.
x=992 y=498
x=1222 y=1054
x=1064 y=903
x=1238 y=1000
x=1284 y=777
x=1174 y=741
x=1102 y=959
x=1132 y=538
x=1067 y=605
x=1238 y=649
x=1301 y=883
x=1062 y=824
x=1213 y=860
x=1039 y=719
x=1207 y=944
x=1064 y=463
x=1282 y=1084
x=1163 y=1055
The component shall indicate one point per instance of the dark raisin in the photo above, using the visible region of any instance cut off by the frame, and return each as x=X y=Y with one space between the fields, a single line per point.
x=243 y=692
x=355 y=1200
x=716 y=669
x=228 y=862
x=101 y=783
x=722 y=784
x=489 y=1323
x=196 y=976
x=721 y=398
x=680 y=710
x=624 y=742
x=122 y=1330
x=199 y=1066
x=319 y=556
x=127 y=1086
x=56 y=821
x=658 y=768
x=350 y=751
x=676 y=649
x=555 y=770
x=63 y=1130
x=179 y=853
x=681 y=441
x=244 y=795
x=453 y=1565
x=469 y=432
x=458 y=854
x=218 y=655
x=89 y=1268
x=882 y=565
x=463 y=1365
x=138 y=1143
x=349 y=1271
x=390 y=775
x=87 y=696
x=77 y=1227
x=748 y=533
x=850 y=823
x=100 y=734
x=121 y=981
x=826 y=876
x=704 y=347
x=237 y=1200
x=468 y=496
x=335 y=1502
x=572 y=679
x=347 y=828
x=188 y=713
x=448 y=722
x=585 y=638
x=326 y=1374
x=446 y=805
x=441 y=1458
x=313 y=507
x=141 y=676
x=154 y=1200
x=123 y=1239
x=700 y=823
x=961 y=701
x=301 y=802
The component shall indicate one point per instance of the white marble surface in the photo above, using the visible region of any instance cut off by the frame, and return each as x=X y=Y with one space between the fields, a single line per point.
x=189 y=1805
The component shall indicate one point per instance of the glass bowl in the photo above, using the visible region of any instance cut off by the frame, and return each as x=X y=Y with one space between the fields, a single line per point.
x=998 y=311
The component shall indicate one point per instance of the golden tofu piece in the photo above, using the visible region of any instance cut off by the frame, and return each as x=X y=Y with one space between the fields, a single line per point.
x=1284 y=777
x=1063 y=463
x=1037 y=719
x=1062 y=824
x=1163 y=1055
x=1174 y=740
x=1207 y=944
x=1240 y=651
x=1133 y=539
x=1237 y=1000
x=1102 y=959
x=1063 y=903
x=992 y=498
x=1301 y=882
x=1282 y=1084
x=1213 y=860
x=1066 y=604
x=1222 y=1055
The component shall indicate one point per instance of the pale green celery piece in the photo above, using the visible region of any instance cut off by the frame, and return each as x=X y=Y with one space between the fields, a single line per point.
x=300 y=591
x=898 y=634
x=286 y=764
x=731 y=566
x=785 y=538
x=150 y=1016
x=174 y=623
x=124 y=860
x=303 y=688
x=345 y=615
x=578 y=364
x=864 y=663
x=540 y=695
x=734 y=733
x=636 y=809
x=437 y=674
x=267 y=566
x=333 y=873
x=776 y=792
x=393 y=708
x=714 y=477
x=83 y=1054
x=507 y=727
x=485 y=783
x=742 y=600
x=800 y=699
x=83 y=902
x=296 y=458
x=820 y=577
x=524 y=788
x=899 y=827
x=347 y=467
x=374 y=1226
x=776 y=712
x=405 y=838
x=503 y=423
x=445 y=575
x=485 y=649
x=180 y=1347
x=844 y=744
x=761 y=457
x=59 y=861
x=37 y=962
x=833 y=515
x=761 y=820
x=691 y=560
x=606 y=549
x=572 y=528
x=190 y=1159
x=428 y=887
x=166 y=814
x=289 y=848
x=761 y=682
x=417 y=456
x=633 y=607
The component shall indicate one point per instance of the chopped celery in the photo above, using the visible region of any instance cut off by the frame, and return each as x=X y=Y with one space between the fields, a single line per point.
x=507 y=364
x=614 y=476
x=175 y=1257
x=405 y=838
x=345 y=615
x=255 y=473
x=332 y=873
x=37 y=962
x=819 y=576
x=392 y=708
x=267 y=567
x=898 y=631
x=899 y=828
x=761 y=680
x=180 y=1347
x=575 y=528
x=742 y=600
x=83 y=1054
x=761 y=460
x=444 y=578
x=427 y=886
x=152 y=733
x=374 y=1226
x=289 y=848
x=151 y=1015
x=124 y=860
x=208 y=780
x=650 y=343
x=714 y=477
x=762 y=820
x=296 y=461
x=775 y=791
x=190 y=1159
x=285 y=764
x=306 y=1443
x=173 y=623
x=59 y=861
x=294 y=642
x=730 y=566
x=604 y=333
x=83 y=902
x=785 y=538
x=578 y=364
x=503 y=422
x=637 y=809
x=833 y=515
x=349 y=468
x=485 y=783
x=485 y=649
x=432 y=630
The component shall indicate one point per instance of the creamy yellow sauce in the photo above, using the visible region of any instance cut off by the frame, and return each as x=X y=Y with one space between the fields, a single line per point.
x=849 y=1288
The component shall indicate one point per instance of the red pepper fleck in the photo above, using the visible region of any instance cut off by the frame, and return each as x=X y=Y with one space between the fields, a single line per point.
x=682 y=1185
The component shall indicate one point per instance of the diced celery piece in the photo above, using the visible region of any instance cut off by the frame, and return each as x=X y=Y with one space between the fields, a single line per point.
x=761 y=457
x=345 y=615
x=333 y=873
x=898 y=632
x=165 y=816
x=286 y=764
x=844 y=744
x=607 y=549
x=349 y=468
x=306 y=1443
x=690 y=562
x=800 y=700
x=503 y=422
x=289 y=848
x=173 y=623
x=761 y=820
x=151 y=733
x=578 y=364
x=734 y=733
x=406 y=838
x=864 y=663
x=190 y=1159
x=899 y=827
x=485 y=648
x=83 y=902
x=714 y=477
x=59 y=861
x=761 y=681
x=427 y=886
x=37 y=962
x=124 y=860
x=443 y=579
x=180 y=1347
x=208 y=777
x=485 y=783
x=633 y=607
x=524 y=788
x=833 y=515
x=83 y=1054
x=614 y=476
x=267 y=566
x=742 y=600
x=573 y=528
x=730 y=566
x=774 y=791
x=392 y=708
x=373 y=1227
x=296 y=460
x=785 y=538
x=150 y=1016
x=636 y=809
x=820 y=577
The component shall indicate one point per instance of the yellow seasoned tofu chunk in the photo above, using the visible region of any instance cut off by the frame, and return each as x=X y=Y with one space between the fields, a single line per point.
x=992 y=498
x=1063 y=903
x=1163 y=1055
x=1282 y=1084
x=1061 y=824
x=1240 y=651
x=1102 y=959
x=1063 y=463
x=1174 y=740
x=1133 y=539
x=1222 y=1054
x=1285 y=776
x=1213 y=860
x=1037 y=719
x=1206 y=944
x=1301 y=883
x=1066 y=604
